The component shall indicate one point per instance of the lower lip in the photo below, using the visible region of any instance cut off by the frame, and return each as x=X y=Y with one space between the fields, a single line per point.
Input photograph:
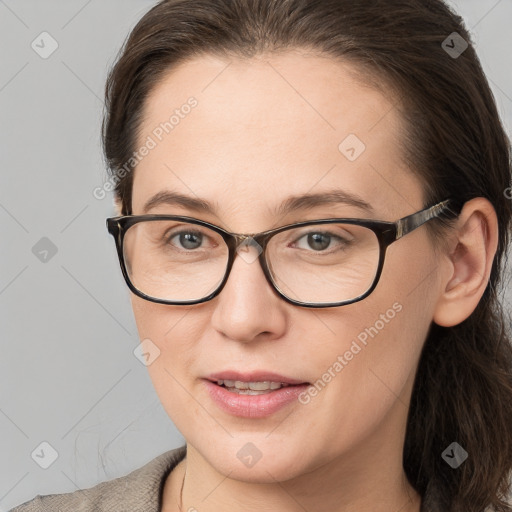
x=254 y=406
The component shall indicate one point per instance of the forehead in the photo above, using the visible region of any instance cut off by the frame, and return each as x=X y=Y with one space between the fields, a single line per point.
x=264 y=128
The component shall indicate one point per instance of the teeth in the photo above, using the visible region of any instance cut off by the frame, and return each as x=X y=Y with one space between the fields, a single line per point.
x=251 y=386
x=247 y=391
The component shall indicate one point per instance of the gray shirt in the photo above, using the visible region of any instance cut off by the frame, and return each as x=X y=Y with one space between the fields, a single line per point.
x=139 y=491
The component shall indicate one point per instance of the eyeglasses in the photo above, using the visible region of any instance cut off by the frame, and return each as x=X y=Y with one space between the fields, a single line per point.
x=179 y=260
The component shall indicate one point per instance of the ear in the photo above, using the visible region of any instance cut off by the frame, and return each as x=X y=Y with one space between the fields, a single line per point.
x=467 y=262
x=117 y=206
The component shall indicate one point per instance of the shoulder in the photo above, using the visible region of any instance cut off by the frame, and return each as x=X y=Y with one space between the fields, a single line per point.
x=138 y=491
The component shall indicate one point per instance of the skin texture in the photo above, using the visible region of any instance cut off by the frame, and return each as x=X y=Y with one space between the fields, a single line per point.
x=265 y=129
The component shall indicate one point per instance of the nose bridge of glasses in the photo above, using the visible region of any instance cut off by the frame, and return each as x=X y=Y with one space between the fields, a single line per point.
x=244 y=241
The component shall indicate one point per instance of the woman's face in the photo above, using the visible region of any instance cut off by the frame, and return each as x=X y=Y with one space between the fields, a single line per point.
x=260 y=131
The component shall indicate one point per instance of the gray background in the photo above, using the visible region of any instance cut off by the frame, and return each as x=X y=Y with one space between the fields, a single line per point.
x=68 y=373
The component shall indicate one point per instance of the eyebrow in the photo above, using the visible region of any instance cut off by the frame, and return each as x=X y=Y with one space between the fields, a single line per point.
x=291 y=204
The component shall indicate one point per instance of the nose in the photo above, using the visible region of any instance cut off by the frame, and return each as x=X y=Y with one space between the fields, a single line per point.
x=248 y=307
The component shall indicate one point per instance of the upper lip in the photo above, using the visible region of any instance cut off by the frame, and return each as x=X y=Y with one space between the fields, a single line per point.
x=254 y=376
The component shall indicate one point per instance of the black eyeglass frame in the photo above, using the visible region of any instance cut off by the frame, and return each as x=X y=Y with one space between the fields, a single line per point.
x=385 y=231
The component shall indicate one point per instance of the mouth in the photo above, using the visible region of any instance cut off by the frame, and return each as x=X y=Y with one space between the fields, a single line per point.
x=254 y=395
x=252 y=388
x=253 y=383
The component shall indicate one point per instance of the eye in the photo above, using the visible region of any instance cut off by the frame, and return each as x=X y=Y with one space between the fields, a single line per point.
x=320 y=241
x=187 y=239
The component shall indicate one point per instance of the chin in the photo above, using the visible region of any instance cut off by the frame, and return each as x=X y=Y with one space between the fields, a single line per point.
x=255 y=458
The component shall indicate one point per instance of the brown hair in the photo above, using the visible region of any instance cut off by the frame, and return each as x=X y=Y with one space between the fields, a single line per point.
x=454 y=142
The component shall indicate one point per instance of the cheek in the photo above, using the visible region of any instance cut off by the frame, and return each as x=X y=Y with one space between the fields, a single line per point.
x=159 y=322
x=170 y=336
x=370 y=365
x=366 y=378
x=143 y=312
x=175 y=331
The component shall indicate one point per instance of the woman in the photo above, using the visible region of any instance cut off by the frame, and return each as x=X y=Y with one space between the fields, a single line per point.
x=333 y=365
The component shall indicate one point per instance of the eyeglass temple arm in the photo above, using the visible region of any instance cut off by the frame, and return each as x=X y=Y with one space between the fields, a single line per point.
x=415 y=220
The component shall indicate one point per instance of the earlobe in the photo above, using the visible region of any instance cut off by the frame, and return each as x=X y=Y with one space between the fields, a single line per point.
x=468 y=266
